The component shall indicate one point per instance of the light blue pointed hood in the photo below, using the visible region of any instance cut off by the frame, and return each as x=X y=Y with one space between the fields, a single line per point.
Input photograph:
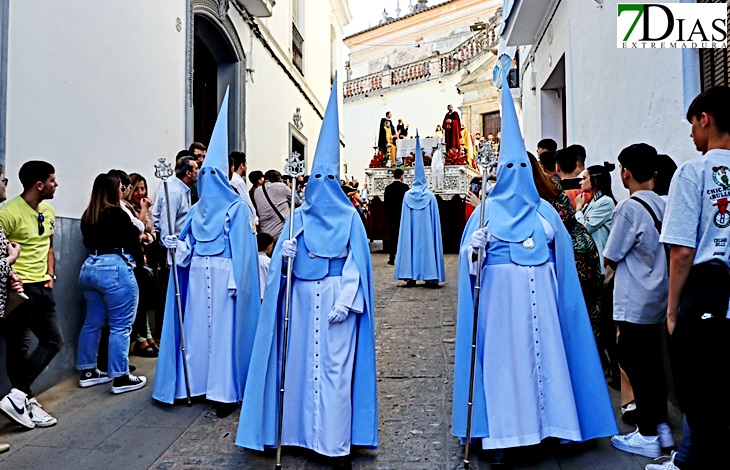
x=419 y=195
x=512 y=205
x=327 y=213
x=216 y=193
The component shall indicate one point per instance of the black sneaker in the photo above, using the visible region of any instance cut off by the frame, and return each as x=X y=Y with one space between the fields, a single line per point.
x=223 y=410
x=92 y=377
x=341 y=463
x=128 y=383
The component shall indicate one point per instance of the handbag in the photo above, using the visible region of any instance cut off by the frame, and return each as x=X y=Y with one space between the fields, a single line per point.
x=15 y=299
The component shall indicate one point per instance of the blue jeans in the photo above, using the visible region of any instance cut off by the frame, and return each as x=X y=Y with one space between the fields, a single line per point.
x=111 y=294
x=683 y=453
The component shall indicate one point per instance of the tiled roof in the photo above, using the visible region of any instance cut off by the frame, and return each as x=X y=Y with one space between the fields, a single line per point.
x=395 y=20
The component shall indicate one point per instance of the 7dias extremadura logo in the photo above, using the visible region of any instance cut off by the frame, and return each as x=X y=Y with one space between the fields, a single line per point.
x=671 y=25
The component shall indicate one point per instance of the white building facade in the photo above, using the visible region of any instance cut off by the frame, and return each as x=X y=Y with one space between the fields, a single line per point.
x=91 y=85
x=416 y=65
x=577 y=87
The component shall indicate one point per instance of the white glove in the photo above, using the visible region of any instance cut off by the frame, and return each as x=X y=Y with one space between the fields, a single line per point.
x=479 y=239
x=338 y=314
x=169 y=242
x=289 y=248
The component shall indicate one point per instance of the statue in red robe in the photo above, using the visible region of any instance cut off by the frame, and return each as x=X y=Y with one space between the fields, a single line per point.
x=452 y=129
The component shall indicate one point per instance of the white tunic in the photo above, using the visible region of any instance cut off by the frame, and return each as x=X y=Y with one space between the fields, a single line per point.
x=527 y=384
x=318 y=396
x=209 y=325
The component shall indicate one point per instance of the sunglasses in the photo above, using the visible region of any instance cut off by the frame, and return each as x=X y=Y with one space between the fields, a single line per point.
x=41 y=228
x=5 y=181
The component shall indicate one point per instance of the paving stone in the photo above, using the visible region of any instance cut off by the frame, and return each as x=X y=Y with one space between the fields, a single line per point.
x=43 y=458
x=415 y=335
x=130 y=447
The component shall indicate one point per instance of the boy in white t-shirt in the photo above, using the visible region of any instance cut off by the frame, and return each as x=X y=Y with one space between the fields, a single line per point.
x=634 y=251
x=266 y=247
x=697 y=225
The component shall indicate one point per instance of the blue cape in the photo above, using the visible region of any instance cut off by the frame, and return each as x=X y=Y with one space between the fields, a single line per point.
x=420 y=214
x=426 y=244
x=595 y=412
x=260 y=411
x=244 y=255
x=204 y=231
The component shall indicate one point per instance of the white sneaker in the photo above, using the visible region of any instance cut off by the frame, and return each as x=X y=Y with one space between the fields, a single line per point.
x=128 y=383
x=15 y=407
x=666 y=439
x=667 y=465
x=635 y=443
x=39 y=416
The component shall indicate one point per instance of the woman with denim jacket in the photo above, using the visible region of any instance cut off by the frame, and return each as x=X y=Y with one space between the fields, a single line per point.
x=596 y=213
x=109 y=286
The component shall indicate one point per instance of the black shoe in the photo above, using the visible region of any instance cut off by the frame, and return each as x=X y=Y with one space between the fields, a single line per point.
x=223 y=410
x=92 y=377
x=144 y=351
x=128 y=383
x=432 y=285
x=496 y=458
x=341 y=463
x=391 y=262
x=410 y=283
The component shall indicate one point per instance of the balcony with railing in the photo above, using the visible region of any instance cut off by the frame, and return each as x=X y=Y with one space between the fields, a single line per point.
x=437 y=66
x=262 y=8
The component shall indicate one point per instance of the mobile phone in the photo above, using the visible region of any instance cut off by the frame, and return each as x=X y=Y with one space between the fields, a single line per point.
x=475 y=188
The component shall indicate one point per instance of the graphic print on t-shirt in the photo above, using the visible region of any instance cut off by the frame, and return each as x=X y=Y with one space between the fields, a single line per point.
x=722 y=218
x=721 y=195
x=720 y=176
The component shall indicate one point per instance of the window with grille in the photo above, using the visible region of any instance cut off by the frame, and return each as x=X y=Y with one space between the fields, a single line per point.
x=714 y=63
x=297 y=48
x=297 y=40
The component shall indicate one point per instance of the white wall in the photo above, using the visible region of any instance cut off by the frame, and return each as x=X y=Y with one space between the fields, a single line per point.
x=423 y=106
x=272 y=98
x=94 y=85
x=616 y=97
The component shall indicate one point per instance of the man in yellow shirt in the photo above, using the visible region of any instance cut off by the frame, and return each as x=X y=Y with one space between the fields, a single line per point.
x=29 y=221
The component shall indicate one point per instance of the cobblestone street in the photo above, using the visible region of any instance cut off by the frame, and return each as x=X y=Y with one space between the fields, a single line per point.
x=415 y=341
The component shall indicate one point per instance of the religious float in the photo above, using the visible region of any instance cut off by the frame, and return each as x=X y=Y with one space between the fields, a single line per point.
x=450 y=187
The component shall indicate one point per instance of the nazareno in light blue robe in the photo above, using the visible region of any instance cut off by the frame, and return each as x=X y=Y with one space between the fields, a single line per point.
x=219 y=289
x=331 y=399
x=589 y=399
x=350 y=344
x=420 y=254
x=537 y=370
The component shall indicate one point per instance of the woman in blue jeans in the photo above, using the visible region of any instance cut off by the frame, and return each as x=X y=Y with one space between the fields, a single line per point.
x=110 y=289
